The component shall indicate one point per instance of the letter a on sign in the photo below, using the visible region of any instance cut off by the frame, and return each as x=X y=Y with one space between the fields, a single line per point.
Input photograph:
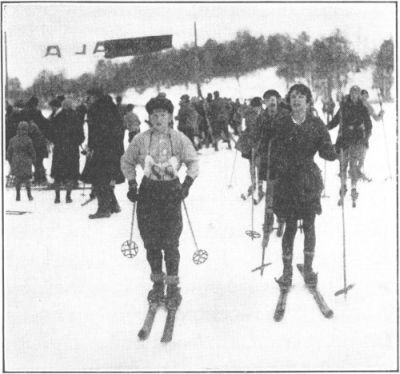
x=53 y=50
x=99 y=47
x=83 y=52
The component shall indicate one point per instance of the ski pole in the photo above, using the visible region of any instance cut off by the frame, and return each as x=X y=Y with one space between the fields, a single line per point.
x=268 y=215
x=233 y=169
x=253 y=234
x=129 y=248
x=200 y=255
x=345 y=288
x=385 y=140
x=324 y=194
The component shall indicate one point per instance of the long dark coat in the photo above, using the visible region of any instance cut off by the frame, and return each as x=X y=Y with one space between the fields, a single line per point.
x=66 y=133
x=298 y=188
x=21 y=156
x=106 y=134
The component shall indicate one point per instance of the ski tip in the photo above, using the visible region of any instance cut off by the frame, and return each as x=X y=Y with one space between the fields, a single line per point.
x=329 y=314
x=278 y=317
x=166 y=339
x=143 y=334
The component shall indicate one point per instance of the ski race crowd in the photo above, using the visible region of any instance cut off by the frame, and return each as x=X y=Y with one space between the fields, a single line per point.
x=280 y=138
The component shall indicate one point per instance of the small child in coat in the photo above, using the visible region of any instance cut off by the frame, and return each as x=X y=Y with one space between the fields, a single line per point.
x=21 y=156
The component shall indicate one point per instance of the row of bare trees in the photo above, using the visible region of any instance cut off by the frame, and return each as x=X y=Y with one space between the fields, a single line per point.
x=324 y=63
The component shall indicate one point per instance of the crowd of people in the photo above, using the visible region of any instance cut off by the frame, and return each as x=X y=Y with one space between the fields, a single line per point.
x=280 y=139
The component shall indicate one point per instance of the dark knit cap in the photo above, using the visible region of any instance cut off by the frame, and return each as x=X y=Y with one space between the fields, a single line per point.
x=185 y=98
x=159 y=103
x=256 y=101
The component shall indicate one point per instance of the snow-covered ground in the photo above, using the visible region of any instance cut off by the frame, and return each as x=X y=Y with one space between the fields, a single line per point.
x=73 y=302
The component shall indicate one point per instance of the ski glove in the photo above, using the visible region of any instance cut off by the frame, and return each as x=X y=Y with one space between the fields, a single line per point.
x=132 y=193
x=186 y=186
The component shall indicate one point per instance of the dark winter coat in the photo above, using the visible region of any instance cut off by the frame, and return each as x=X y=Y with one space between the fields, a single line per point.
x=264 y=135
x=11 y=127
x=220 y=110
x=66 y=133
x=106 y=136
x=248 y=138
x=187 y=118
x=299 y=183
x=35 y=115
x=21 y=156
x=356 y=124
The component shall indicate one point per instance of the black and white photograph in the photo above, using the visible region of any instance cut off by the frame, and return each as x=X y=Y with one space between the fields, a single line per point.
x=204 y=187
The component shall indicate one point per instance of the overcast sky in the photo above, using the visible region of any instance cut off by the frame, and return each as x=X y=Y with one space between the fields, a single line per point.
x=31 y=28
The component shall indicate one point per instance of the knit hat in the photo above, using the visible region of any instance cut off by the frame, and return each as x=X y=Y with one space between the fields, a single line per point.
x=256 y=101
x=159 y=103
x=23 y=128
x=185 y=98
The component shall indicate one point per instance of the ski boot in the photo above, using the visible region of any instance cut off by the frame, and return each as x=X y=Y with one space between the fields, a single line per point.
x=310 y=278
x=285 y=280
x=156 y=294
x=174 y=297
x=354 y=196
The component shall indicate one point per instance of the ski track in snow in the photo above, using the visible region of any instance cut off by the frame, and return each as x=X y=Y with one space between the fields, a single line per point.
x=73 y=302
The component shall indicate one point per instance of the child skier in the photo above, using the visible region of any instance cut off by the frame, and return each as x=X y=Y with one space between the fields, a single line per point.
x=160 y=151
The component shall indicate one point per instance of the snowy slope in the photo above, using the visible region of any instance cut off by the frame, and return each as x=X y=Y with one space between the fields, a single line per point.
x=74 y=303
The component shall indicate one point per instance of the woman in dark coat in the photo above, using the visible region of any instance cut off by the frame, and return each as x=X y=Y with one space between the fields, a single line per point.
x=66 y=134
x=105 y=148
x=298 y=137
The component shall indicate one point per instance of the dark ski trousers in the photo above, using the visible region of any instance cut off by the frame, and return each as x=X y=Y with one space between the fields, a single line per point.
x=288 y=241
x=159 y=215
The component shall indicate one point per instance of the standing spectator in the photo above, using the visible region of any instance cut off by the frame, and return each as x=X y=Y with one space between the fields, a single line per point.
x=219 y=115
x=66 y=133
x=187 y=119
x=21 y=155
x=131 y=122
x=105 y=148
